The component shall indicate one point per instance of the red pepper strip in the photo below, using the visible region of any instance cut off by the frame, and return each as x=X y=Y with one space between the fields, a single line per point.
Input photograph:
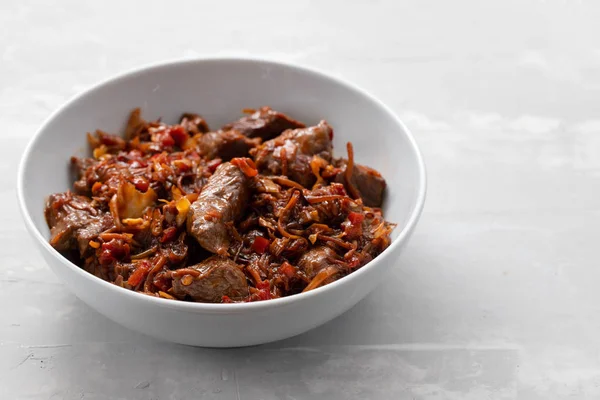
x=287 y=269
x=260 y=244
x=356 y=218
x=264 y=290
x=168 y=234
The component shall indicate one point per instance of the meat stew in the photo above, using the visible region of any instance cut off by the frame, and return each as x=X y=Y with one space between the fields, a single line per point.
x=256 y=210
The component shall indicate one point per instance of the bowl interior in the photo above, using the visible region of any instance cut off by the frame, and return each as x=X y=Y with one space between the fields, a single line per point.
x=219 y=90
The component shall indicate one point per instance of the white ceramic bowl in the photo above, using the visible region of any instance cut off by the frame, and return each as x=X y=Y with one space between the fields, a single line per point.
x=219 y=89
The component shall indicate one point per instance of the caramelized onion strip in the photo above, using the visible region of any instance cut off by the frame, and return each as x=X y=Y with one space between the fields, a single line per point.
x=321 y=277
x=348 y=173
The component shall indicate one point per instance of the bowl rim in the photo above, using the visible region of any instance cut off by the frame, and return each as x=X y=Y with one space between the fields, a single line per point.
x=219 y=308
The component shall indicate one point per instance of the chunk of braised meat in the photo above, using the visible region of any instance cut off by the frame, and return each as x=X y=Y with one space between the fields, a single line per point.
x=81 y=164
x=317 y=258
x=136 y=126
x=79 y=167
x=321 y=265
x=290 y=153
x=210 y=280
x=193 y=123
x=221 y=201
x=264 y=123
x=74 y=220
x=368 y=182
x=225 y=145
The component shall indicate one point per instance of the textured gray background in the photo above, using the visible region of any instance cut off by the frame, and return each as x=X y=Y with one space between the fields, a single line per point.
x=496 y=296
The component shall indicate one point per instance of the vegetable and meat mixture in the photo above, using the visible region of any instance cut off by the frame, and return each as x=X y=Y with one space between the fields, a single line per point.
x=256 y=210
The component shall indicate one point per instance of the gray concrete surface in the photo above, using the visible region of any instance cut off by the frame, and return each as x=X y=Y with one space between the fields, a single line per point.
x=496 y=296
